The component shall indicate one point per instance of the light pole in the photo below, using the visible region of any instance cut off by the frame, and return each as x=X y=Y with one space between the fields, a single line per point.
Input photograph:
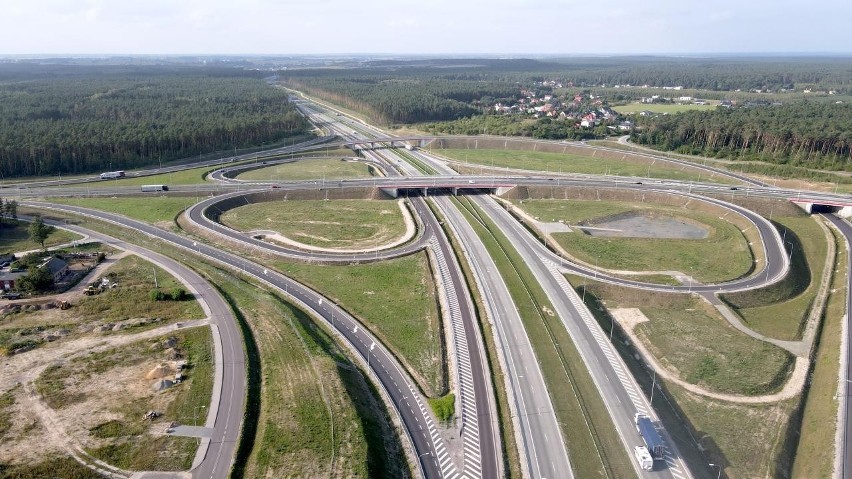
x=719 y=466
x=653 y=385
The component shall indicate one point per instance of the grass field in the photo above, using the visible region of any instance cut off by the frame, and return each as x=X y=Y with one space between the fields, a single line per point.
x=690 y=338
x=593 y=444
x=318 y=417
x=151 y=209
x=396 y=300
x=569 y=163
x=15 y=238
x=636 y=107
x=310 y=169
x=131 y=299
x=336 y=224
x=815 y=452
x=780 y=311
x=746 y=439
x=697 y=258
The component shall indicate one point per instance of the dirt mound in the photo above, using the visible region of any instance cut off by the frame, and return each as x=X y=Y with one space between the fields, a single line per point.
x=162 y=385
x=160 y=372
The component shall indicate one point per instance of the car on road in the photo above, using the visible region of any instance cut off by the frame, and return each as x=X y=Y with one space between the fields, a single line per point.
x=11 y=295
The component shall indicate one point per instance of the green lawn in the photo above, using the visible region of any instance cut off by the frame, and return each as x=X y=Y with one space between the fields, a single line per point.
x=636 y=107
x=695 y=257
x=15 y=238
x=151 y=209
x=309 y=169
x=571 y=163
x=337 y=224
x=780 y=311
x=396 y=300
x=815 y=452
x=748 y=440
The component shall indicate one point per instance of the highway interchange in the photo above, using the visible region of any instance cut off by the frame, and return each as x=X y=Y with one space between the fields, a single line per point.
x=538 y=436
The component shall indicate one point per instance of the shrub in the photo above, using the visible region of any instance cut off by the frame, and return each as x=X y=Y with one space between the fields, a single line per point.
x=157 y=295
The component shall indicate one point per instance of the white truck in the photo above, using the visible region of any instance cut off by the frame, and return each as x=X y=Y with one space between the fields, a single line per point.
x=643 y=457
x=112 y=174
x=152 y=188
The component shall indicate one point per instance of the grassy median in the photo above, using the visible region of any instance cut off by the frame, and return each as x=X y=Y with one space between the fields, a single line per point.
x=593 y=444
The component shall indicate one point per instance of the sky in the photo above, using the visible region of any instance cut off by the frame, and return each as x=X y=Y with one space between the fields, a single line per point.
x=458 y=27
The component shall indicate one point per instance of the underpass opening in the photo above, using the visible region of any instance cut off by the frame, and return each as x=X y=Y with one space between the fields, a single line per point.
x=817 y=208
x=444 y=191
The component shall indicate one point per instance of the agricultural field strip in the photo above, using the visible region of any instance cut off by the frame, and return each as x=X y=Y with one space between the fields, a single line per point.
x=467 y=393
x=347 y=327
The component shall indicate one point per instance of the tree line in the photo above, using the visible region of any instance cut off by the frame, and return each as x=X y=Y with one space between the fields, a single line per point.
x=804 y=133
x=81 y=120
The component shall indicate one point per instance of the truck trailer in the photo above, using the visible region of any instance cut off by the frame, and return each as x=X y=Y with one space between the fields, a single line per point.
x=151 y=188
x=649 y=434
x=112 y=174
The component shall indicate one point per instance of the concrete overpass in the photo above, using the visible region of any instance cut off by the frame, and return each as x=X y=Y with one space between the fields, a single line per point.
x=453 y=187
x=389 y=142
x=815 y=205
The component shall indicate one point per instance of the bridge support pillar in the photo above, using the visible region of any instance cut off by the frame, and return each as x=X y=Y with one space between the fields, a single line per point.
x=426 y=192
x=392 y=192
x=455 y=191
x=808 y=207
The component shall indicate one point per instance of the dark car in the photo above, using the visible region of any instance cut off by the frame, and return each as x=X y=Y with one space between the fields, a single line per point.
x=12 y=295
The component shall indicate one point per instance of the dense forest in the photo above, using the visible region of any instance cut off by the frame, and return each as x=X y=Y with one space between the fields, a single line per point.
x=804 y=133
x=75 y=119
x=407 y=99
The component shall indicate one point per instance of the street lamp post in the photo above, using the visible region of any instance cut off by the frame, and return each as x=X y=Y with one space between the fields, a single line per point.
x=719 y=466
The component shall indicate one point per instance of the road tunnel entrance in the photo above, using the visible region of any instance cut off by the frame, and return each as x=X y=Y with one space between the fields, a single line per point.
x=823 y=208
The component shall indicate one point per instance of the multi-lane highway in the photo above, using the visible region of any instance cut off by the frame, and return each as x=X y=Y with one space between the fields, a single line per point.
x=538 y=435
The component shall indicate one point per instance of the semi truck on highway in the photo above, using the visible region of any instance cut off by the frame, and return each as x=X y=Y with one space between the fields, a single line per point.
x=112 y=174
x=151 y=188
x=653 y=442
